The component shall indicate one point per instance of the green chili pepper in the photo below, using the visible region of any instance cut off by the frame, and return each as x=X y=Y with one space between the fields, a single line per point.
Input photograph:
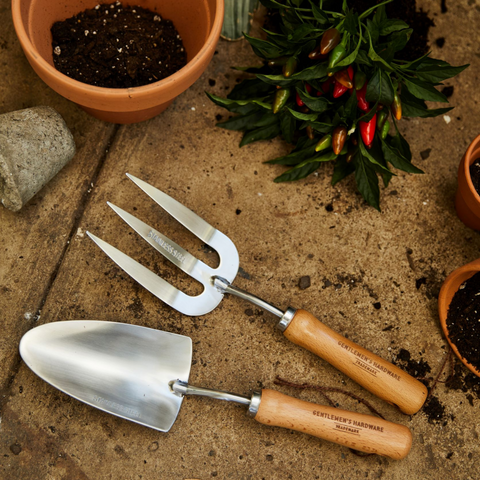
x=277 y=62
x=336 y=55
x=324 y=143
x=281 y=97
x=382 y=116
x=290 y=67
x=385 y=130
x=360 y=79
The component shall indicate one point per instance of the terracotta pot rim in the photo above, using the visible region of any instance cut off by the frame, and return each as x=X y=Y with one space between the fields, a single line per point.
x=119 y=93
x=472 y=148
x=448 y=290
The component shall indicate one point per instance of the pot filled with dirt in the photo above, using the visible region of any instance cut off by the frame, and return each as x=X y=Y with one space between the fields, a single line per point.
x=122 y=62
x=467 y=200
x=459 y=311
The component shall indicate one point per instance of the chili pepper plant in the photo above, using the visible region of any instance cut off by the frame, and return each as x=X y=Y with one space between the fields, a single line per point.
x=331 y=84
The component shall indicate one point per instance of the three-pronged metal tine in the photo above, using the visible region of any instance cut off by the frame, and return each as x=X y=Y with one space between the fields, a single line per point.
x=227 y=252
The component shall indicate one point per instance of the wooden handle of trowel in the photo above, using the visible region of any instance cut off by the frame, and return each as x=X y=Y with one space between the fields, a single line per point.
x=369 y=370
x=361 y=432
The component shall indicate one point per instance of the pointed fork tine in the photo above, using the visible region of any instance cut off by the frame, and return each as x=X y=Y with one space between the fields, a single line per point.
x=168 y=248
x=186 y=304
x=229 y=259
x=197 y=225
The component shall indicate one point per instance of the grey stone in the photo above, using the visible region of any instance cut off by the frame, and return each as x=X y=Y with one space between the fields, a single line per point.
x=35 y=144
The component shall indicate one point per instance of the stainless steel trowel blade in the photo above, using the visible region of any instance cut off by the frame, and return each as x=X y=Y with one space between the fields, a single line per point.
x=119 y=368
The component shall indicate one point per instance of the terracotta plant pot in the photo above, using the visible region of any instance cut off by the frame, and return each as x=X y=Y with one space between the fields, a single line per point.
x=449 y=288
x=467 y=200
x=199 y=23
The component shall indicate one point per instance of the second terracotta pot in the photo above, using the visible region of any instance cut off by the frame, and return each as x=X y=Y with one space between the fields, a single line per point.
x=467 y=200
x=199 y=23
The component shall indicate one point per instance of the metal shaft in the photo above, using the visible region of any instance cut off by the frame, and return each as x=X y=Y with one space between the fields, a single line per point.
x=226 y=287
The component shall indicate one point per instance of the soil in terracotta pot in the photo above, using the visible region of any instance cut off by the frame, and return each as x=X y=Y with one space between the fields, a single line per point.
x=475 y=175
x=463 y=320
x=117 y=47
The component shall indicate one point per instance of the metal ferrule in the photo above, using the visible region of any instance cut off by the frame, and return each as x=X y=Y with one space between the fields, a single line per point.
x=254 y=404
x=286 y=319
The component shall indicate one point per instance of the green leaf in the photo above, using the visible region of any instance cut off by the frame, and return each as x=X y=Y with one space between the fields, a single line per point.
x=377 y=58
x=401 y=144
x=424 y=90
x=438 y=73
x=379 y=88
x=349 y=59
x=298 y=172
x=366 y=155
x=265 y=49
x=263 y=133
x=319 y=15
x=241 y=122
x=393 y=156
x=295 y=157
x=414 y=107
x=235 y=105
x=316 y=104
x=287 y=126
x=351 y=22
x=367 y=181
x=249 y=88
x=279 y=80
x=392 y=25
x=362 y=58
x=315 y=71
x=398 y=40
x=342 y=169
x=350 y=111
x=305 y=168
x=266 y=120
x=302 y=31
x=308 y=117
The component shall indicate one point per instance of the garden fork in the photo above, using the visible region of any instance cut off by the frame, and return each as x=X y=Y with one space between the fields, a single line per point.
x=369 y=370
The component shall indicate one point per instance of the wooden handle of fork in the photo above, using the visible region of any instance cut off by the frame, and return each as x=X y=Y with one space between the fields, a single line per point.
x=355 y=430
x=369 y=370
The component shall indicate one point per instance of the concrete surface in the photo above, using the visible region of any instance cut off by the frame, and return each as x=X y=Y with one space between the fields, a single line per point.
x=374 y=277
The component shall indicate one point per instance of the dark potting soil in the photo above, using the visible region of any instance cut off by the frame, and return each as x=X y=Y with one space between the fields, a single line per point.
x=475 y=175
x=463 y=320
x=117 y=47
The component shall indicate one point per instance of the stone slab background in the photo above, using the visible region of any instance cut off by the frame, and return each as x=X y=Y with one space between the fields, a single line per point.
x=374 y=278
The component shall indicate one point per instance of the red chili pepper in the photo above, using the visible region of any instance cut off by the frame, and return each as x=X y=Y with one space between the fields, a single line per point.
x=361 y=101
x=308 y=87
x=350 y=71
x=299 y=100
x=325 y=87
x=338 y=89
x=344 y=78
x=367 y=130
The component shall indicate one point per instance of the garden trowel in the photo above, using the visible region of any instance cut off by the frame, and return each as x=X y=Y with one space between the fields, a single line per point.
x=141 y=374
